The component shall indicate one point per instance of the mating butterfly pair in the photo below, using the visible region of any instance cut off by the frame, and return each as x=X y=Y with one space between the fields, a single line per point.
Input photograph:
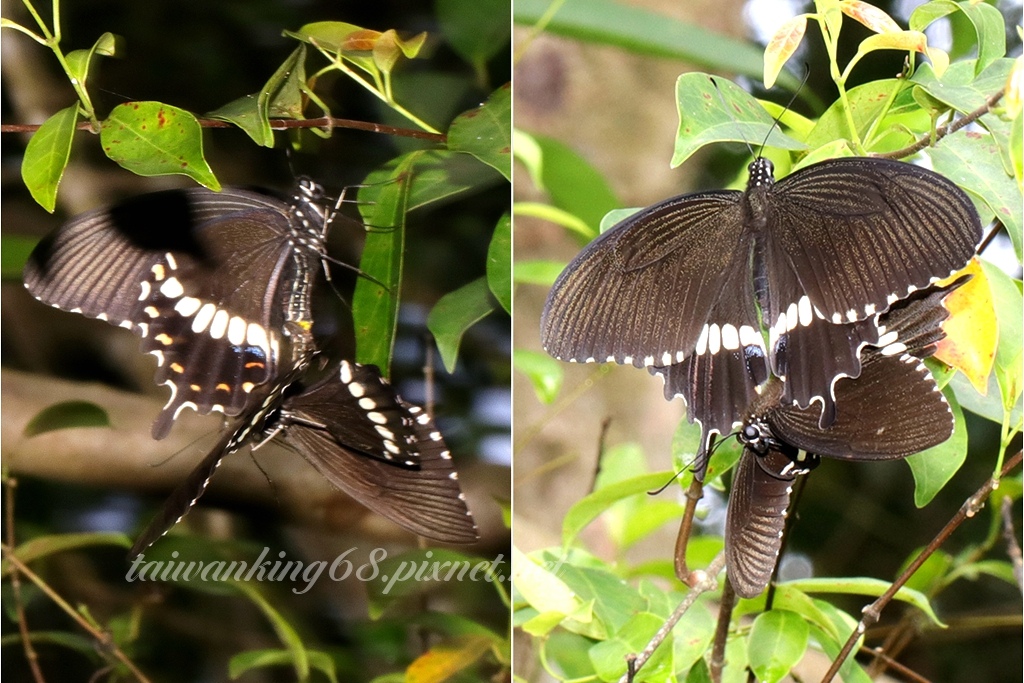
x=832 y=262
x=218 y=285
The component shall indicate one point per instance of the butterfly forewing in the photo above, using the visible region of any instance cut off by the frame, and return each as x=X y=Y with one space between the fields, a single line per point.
x=353 y=444
x=207 y=279
x=862 y=233
x=641 y=293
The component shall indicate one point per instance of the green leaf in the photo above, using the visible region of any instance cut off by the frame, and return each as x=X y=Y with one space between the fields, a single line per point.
x=724 y=114
x=1008 y=369
x=14 y=253
x=555 y=215
x=778 y=640
x=538 y=272
x=383 y=204
x=866 y=586
x=571 y=182
x=545 y=373
x=648 y=33
x=243 y=662
x=46 y=156
x=281 y=96
x=934 y=467
x=79 y=61
x=72 y=641
x=588 y=508
x=486 y=132
x=44 y=546
x=499 y=262
x=66 y=415
x=867 y=103
x=542 y=588
x=476 y=29
x=972 y=160
x=295 y=652
x=609 y=656
x=961 y=87
x=153 y=139
x=989 y=29
x=455 y=313
x=798 y=602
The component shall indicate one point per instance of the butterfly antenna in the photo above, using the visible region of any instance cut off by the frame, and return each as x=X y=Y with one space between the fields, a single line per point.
x=789 y=105
x=725 y=107
x=690 y=465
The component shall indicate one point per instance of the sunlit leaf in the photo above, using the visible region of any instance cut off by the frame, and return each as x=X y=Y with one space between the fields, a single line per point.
x=778 y=640
x=545 y=373
x=444 y=660
x=971 y=329
x=782 y=46
x=869 y=15
x=709 y=114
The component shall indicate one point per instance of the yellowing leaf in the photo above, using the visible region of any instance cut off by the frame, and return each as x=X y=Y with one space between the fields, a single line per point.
x=971 y=329
x=443 y=661
x=782 y=46
x=905 y=40
x=1014 y=86
x=869 y=15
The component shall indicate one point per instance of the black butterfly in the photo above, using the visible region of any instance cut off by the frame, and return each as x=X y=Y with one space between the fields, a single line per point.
x=892 y=410
x=218 y=285
x=685 y=286
x=355 y=430
x=215 y=283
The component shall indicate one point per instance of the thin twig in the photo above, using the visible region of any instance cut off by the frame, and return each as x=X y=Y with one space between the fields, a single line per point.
x=722 y=631
x=275 y=124
x=103 y=639
x=1012 y=546
x=30 y=652
x=693 y=494
x=707 y=582
x=871 y=612
x=912 y=675
x=942 y=131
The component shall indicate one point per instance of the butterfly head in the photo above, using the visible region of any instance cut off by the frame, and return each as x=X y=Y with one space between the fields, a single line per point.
x=761 y=173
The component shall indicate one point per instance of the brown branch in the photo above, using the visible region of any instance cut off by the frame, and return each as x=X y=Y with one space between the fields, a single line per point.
x=722 y=631
x=706 y=582
x=693 y=494
x=1012 y=546
x=872 y=612
x=26 y=642
x=103 y=639
x=327 y=122
x=943 y=131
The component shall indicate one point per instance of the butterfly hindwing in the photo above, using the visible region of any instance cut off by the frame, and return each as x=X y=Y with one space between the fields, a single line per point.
x=351 y=443
x=756 y=516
